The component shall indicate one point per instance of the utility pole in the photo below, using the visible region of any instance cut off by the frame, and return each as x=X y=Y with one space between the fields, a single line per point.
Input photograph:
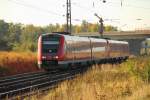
x=68 y=17
x=101 y=28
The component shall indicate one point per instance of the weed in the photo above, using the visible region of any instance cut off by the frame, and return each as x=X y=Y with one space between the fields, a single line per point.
x=15 y=63
x=126 y=81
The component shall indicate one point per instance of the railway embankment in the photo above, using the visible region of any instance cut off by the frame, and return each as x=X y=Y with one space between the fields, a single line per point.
x=127 y=81
x=12 y=63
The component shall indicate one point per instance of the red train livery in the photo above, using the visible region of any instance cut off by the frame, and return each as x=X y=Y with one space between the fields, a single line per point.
x=58 y=51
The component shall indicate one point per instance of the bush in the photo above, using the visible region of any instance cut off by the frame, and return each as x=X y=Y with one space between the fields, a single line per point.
x=3 y=70
x=15 y=63
x=140 y=67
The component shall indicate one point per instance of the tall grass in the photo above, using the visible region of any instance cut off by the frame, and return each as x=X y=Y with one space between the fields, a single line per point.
x=126 y=81
x=15 y=63
x=139 y=67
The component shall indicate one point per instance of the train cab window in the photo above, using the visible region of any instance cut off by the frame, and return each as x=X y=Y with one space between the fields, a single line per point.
x=50 y=44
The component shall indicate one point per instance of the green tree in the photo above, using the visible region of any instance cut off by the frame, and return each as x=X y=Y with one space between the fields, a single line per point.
x=28 y=38
x=3 y=35
x=14 y=32
x=110 y=28
x=84 y=26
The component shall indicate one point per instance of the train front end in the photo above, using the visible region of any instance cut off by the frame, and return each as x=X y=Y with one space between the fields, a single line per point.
x=50 y=50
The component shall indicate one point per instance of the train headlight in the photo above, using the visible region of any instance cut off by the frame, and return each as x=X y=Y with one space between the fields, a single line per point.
x=43 y=57
x=56 y=57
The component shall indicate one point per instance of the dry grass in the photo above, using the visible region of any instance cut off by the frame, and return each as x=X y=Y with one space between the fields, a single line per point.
x=15 y=63
x=126 y=81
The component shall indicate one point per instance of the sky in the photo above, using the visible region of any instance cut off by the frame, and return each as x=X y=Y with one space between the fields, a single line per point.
x=125 y=14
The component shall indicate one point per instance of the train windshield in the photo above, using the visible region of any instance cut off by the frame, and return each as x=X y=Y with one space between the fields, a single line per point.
x=50 y=44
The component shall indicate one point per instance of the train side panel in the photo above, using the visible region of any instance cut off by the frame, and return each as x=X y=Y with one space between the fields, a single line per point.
x=82 y=50
x=77 y=50
x=118 y=49
x=99 y=49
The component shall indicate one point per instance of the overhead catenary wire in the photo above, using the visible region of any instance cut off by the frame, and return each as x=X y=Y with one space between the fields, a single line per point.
x=117 y=4
x=82 y=7
x=89 y=10
x=19 y=2
x=40 y=9
x=121 y=2
x=76 y=4
x=35 y=7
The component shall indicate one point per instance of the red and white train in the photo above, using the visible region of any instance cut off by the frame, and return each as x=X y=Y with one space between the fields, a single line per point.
x=58 y=51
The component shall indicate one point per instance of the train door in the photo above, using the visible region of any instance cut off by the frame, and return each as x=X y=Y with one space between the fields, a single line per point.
x=72 y=45
x=74 y=50
x=91 y=48
x=69 y=49
x=107 y=49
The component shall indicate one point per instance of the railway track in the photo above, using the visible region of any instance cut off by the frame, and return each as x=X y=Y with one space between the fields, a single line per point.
x=25 y=84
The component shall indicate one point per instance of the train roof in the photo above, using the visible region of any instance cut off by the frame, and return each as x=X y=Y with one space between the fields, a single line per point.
x=118 y=42
x=79 y=37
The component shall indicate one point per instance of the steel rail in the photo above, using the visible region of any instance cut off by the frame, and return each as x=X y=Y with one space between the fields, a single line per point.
x=24 y=85
x=27 y=83
x=19 y=76
x=24 y=75
x=25 y=78
x=7 y=84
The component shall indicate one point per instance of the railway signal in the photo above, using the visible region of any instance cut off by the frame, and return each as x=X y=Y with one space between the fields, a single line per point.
x=101 y=28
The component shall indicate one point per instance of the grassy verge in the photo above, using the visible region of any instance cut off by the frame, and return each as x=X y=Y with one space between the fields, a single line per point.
x=15 y=63
x=126 y=81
